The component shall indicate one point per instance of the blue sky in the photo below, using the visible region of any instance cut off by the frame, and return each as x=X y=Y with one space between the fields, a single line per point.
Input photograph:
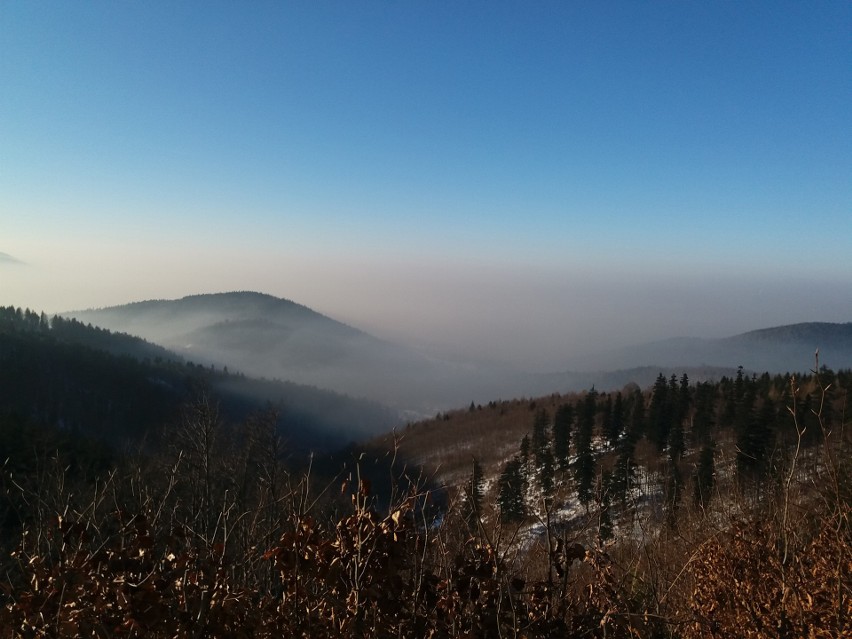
x=444 y=172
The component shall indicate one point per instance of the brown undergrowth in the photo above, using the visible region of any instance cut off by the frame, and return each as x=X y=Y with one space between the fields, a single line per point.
x=218 y=541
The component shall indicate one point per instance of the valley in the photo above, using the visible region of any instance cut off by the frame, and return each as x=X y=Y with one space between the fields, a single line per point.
x=604 y=480
x=264 y=336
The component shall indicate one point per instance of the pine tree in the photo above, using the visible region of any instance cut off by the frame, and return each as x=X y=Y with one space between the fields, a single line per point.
x=606 y=419
x=605 y=525
x=637 y=416
x=616 y=421
x=674 y=481
x=705 y=475
x=562 y=423
x=584 y=466
x=624 y=472
x=474 y=494
x=546 y=472
x=739 y=385
x=676 y=440
x=659 y=413
x=542 y=453
x=525 y=461
x=745 y=420
x=755 y=438
x=510 y=496
x=684 y=399
x=674 y=487
x=705 y=417
x=540 y=441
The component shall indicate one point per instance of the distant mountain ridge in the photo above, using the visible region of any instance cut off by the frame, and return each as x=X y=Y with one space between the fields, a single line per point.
x=262 y=335
x=779 y=349
x=808 y=332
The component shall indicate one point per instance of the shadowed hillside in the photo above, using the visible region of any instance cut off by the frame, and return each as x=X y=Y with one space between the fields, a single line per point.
x=120 y=389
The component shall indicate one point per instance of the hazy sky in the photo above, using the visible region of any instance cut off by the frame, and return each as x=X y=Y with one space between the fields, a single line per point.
x=517 y=180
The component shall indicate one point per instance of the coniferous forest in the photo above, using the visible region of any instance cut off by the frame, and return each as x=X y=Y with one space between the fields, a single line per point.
x=142 y=496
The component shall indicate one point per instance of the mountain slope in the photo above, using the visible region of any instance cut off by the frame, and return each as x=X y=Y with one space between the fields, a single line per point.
x=118 y=388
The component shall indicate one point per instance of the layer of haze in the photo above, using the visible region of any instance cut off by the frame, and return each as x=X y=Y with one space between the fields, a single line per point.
x=523 y=182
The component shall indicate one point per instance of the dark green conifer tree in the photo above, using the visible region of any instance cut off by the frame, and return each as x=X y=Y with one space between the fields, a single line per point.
x=546 y=471
x=704 y=418
x=659 y=413
x=526 y=460
x=705 y=475
x=540 y=441
x=605 y=525
x=474 y=494
x=637 y=416
x=584 y=466
x=676 y=440
x=684 y=399
x=563 y=421
x=616 y=421
x=745 y=420
x=510 y=492
x=755 y=439
x=606 y=418
x=624 y=472
x=674 y=487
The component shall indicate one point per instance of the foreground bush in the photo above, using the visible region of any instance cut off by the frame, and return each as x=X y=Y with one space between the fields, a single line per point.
x=368 y=576
x=215 y=537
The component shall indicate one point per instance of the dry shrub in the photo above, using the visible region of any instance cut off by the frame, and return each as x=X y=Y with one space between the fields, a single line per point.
x=368 y=575
x=745 y=588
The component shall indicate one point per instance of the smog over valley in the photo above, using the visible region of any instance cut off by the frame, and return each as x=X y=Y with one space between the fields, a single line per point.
x=558 y=294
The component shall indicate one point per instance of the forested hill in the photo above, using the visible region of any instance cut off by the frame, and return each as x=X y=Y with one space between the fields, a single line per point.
x=119 y=389
x=185 y=315
x=262 y=335
x=831 y=335
x=74 y=332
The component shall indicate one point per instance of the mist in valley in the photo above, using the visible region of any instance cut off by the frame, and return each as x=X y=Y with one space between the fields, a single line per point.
x=477 y=205
x=264 y=336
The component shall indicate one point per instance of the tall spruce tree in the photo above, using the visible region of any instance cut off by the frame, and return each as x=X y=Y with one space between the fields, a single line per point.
x=606 y=418
x=510 y=492
x=674 y=488
x=616 y=421
x=684 y=399
x=754 y=440
x=474 y=494
x=705 y=475
x=605 y=524
x=637 y=416
x=624 y=472
x=546 y=471
x=584 y=466
x=563 y=421
x=659 y=413
x=526 y=460
x=744 y=421
x=540 y=441
x=704 y=418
